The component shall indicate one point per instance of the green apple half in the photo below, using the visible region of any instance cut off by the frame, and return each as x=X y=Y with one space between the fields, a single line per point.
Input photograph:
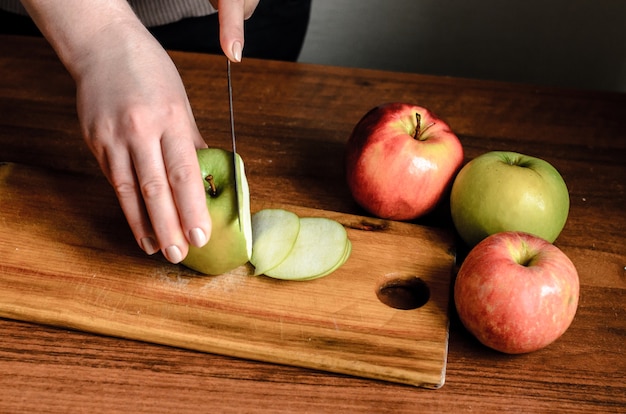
x=507 y=191
x=230 y=245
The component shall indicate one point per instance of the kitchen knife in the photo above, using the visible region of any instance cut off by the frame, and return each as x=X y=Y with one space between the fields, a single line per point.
x=236 y=166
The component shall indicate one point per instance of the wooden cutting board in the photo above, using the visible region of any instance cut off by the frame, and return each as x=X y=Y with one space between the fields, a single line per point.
x=68 y=259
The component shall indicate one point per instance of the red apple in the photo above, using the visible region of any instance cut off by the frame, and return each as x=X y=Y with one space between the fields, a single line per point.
x=400 y=160
x=516 y=292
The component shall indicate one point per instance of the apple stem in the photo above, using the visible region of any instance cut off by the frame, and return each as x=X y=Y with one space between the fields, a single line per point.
x=418 y=130
x=418 y=122
x=213 y=189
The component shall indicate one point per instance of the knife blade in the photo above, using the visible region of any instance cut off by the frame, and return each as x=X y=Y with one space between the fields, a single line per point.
x=233 y=140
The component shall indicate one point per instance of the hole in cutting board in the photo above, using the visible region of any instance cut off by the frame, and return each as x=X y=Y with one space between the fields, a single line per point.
x=403 y=292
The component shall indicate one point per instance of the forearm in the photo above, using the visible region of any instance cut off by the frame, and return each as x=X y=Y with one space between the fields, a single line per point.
x=77 y=29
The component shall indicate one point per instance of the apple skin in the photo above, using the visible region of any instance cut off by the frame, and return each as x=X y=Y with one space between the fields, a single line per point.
x=392 y=173
x=507 y=191
x=516 y=293
x=230 y=244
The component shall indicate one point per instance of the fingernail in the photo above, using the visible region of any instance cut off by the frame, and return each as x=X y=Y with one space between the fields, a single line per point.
x=237 y=49
x=149 y=245
x=173 y=254
x=197 y=237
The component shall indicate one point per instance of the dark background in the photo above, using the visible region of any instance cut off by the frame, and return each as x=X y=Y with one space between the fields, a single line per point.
x=567 y=43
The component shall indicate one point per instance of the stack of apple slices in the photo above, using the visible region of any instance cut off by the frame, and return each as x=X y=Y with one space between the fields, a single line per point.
x=288 y=247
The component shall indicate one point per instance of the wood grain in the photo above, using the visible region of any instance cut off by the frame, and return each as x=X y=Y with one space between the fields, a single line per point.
x=292 y=123
x=96 y=280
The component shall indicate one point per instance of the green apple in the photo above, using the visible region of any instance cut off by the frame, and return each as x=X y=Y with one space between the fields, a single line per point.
x=230 y=245
x=507 y=191
x=321 y=247
x=274 y=233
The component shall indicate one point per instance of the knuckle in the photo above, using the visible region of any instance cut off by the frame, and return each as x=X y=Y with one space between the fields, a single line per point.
x=179 y=175
x=154 y=189
x=124 y=189
x=136 y=119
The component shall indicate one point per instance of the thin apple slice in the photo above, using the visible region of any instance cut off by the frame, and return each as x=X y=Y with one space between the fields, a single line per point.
x=319 y=247
x=243 y=198
x=343 y=260
x=274 y=233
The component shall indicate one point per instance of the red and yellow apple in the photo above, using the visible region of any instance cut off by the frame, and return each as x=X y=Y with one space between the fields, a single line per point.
x=401 y=160
x=516 y=292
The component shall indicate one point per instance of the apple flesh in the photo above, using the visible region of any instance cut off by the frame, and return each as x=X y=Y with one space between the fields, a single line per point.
x=507 y=191
x=274 y=233
x=516 y=292
x=400 y=161
x=230 y=244
x=289 y=247
x=341 y=262
x=319 y=248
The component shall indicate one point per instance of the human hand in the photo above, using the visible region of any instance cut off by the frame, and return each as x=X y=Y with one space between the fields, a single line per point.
x=136 y=118
x=231 y=14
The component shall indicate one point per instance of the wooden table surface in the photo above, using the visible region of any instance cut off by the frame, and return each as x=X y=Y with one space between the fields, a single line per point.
x=292 y=124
